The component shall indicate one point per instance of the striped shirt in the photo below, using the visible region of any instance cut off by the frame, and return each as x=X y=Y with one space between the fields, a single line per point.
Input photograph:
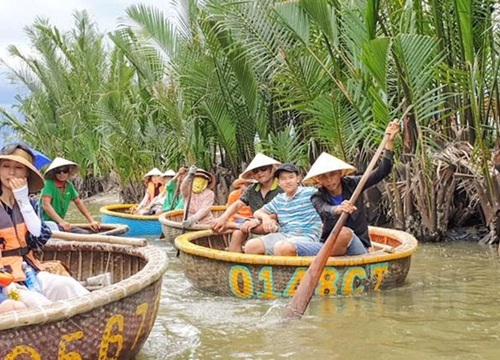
x=296 y=215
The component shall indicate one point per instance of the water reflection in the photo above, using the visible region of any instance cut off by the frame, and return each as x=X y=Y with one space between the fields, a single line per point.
x=445 y=310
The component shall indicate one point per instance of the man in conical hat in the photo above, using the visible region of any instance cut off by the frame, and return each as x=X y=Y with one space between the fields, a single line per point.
x=58 y=193
x=261 y=170
x=336 y=187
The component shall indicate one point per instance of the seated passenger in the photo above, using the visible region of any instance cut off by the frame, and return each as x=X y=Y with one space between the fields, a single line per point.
x=337 y=187
x=157 y=202
x=22 y=231
x=239 y=185
x=298 y=226
x=57 y=194
x=261 y=169
x=153 y=188
x=199 y=183
x=173 y=201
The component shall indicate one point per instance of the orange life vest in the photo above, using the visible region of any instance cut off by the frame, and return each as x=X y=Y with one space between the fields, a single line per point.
x=153 y=190
x=14 y=248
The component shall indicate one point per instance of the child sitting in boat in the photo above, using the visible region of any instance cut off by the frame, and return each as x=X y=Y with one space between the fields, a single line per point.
x=57 y=194
x=196 y=189
x=173 y=200
x=22 y=231
x=153 y=188
x=295 y=228
x=261 y=170
x=337 y=187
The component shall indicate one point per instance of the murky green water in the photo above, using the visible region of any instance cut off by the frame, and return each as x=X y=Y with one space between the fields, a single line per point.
x=446 y=310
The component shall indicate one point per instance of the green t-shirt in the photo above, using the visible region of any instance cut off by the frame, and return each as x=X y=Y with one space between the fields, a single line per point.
x=167 y=204
x=60 y=201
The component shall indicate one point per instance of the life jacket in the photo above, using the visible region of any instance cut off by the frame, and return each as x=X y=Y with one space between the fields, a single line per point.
x=14 y=249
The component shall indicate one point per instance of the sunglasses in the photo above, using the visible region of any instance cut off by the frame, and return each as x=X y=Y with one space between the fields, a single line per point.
x=262 y=168
x=62 y=171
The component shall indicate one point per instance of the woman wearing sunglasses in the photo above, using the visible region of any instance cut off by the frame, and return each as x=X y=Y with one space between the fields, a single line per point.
x=58 y=193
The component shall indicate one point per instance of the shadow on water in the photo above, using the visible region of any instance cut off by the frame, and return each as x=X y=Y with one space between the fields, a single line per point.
x=445 y=310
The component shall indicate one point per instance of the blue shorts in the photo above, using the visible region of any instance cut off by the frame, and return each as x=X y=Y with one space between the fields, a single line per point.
x=308 y=248
x=271 y=239
x=355 y=247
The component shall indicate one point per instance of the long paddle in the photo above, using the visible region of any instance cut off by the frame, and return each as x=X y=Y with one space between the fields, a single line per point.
x=62 y=235
x=305 y=291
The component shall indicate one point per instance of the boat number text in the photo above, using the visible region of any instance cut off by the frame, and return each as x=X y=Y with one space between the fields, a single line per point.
x=331 y=282
x=112 y=338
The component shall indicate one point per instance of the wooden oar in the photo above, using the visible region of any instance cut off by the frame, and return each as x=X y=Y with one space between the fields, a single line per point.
x=305 y=291
x=186 y=208
x=62 y=235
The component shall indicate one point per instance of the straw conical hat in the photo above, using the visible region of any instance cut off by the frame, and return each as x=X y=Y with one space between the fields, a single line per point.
x=152 y=172
x=326 y=163
x=170 y=173
x=60 y=162
x=35 y=179
x=258 y=161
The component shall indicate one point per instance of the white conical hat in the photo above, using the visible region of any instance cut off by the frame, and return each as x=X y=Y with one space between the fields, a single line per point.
x=60 y=162
x=152 y=172
x=258 y=161
x=170 y=173
x=326 y=163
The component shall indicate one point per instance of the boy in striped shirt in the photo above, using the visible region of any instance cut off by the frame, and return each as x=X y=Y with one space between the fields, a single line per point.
x=297 y=230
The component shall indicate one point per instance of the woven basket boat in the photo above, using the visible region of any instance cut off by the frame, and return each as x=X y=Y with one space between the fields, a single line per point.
x=139 y=225
x=110 y=323
x=106 y=229
x=171 y=222
x=209 y=268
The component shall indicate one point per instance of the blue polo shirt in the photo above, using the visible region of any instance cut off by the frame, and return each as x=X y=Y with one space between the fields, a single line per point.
x=296 y=214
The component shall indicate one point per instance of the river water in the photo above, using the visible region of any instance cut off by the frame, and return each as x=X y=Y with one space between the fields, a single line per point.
x=446 y=310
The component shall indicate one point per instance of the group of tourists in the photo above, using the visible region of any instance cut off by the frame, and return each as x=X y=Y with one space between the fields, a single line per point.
x=294 y=220
x=269 y=212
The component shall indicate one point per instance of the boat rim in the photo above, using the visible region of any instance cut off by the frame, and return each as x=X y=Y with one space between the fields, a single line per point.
x=153 y=270
x=111 y=211
x=408 y=246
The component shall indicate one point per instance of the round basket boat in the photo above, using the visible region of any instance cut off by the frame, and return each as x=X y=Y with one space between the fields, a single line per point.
x=139 y=225
x=209 y=268
x=110 y=323
x=171 y=223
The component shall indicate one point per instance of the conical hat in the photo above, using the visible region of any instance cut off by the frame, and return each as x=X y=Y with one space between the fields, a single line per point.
x=35 y=179
x=170 y=173
x=152 y=172
x=324 y=164
x=258 y=161
x=60 y=162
